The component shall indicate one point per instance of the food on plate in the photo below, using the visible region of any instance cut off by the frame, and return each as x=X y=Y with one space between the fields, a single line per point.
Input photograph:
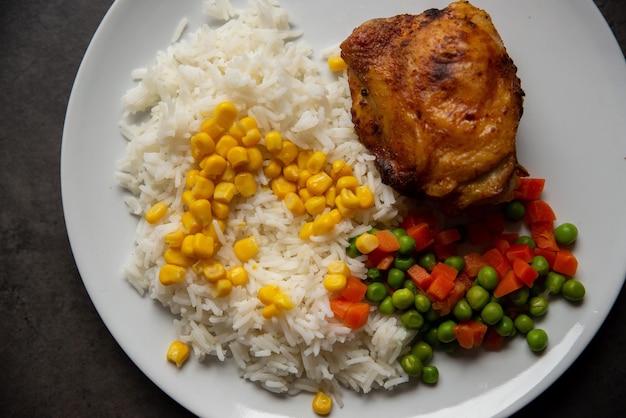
x=436 y=98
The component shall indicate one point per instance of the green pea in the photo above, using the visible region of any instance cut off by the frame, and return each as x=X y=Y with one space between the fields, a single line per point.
x=566 y=234
x=374 y=274
x=523 y=323
x=524 y=239
x=540 y=265
x=402 y=298
x=427 y=260
x=423 y=351
x=431 y=336
x=373 y=230
x=410 y=284
x=403 y=262
x=422 y=303
x=351 y=249
x=537 y=339
x=573 y=290
x=412 y=319
x=449 y=347
x=488 y=277
x=492 y=313
x=520 y=296
x=411 y=364
x=430 y=375
x=395 y=277
x=376 y=292
x=462 y=310
x=398 y=232
x=477 y=297
x=407 y=244
x=514 y=211
x=554 y=282
x=445 y=334
x=538 y=306
x=432 y=315
x=455 y=261
x=386 y=306
x=505 y=326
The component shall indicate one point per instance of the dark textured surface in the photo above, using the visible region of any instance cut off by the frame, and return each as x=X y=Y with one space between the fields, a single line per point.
x=56 y=356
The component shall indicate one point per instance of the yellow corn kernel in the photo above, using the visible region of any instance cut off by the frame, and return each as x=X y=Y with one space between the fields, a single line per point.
x=225 y=114
x=270 y=311
x=220 y=209
x=316 y=162
x=323 y=224
x=178 y=353
x=175 y=239
x=295 y=204
x=315 y=205
x=303 y=158
x=248 y=123
x=339 y=168
x=190 y=223
x=237 y=130
x=306 y=231
x=190 y=178
x=349 y=199
x=339 y=267
x=273 y=169
x=322 y=404
x=237 y=275
x=366 y=243
x=318 y=183
x=214 y=273
x=365 y=196
x=187 y=197
x=237 y=156
x=203 y=189
x=176 y=257
x=331 y=195
x=224 y=192
x=336 y=63
x=335 y=215
x=291 y=172
x=304 y=194
x=288 y=153
x=201 y=210
x=156 y=212
x=228 y=174
x=284 y=302
x=345 y=211
x=225 y=144
x=268 y=293
x=222 y=288
x=201 y=145
x=211 y=127
x=213 y=165
x=335 y=282
x=347 y=182
x=255 y=158
x=187 y=248
x=303 y=176
x=245 y=249
x=281 y=186
x=171 y=274
x=203 y=246
x=252 y=137
x=273 y=141
x=245 y=184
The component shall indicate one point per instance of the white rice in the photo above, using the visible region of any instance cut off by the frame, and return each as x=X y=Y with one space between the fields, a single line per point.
x=255 y=61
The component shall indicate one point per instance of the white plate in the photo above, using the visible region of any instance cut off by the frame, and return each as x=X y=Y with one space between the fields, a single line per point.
x=572 y=133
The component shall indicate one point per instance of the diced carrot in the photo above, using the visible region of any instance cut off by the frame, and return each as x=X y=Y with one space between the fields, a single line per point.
x=470 y=334
x=501 y=245
x=444 y=307
x=374 y=257
x=524 y=272
x=356 y=316
x=529 y=188
x=543 y=235
x=447 y=236
x=549 y=255
x=498 y=261
x=478 y=233
x=422 y=234
x=509 y=283
x=522 y=251
x=339 y=306
x=440 y=288
x=539 y=211
x=443 y=251
x=466 y=280
x=416 y=218
x=509 y=237
x=495 y=222
x=565 y=263
x=420 y=276
x=493 y=340
x=473 y=263
x=387 y=241
x=354 y=291
x=385 y=263
x=443 y=270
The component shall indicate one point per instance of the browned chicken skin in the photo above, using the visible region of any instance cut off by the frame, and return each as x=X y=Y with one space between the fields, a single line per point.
x=437 y=100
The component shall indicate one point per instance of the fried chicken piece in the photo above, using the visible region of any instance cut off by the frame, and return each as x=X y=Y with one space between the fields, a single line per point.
x=437 y=100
